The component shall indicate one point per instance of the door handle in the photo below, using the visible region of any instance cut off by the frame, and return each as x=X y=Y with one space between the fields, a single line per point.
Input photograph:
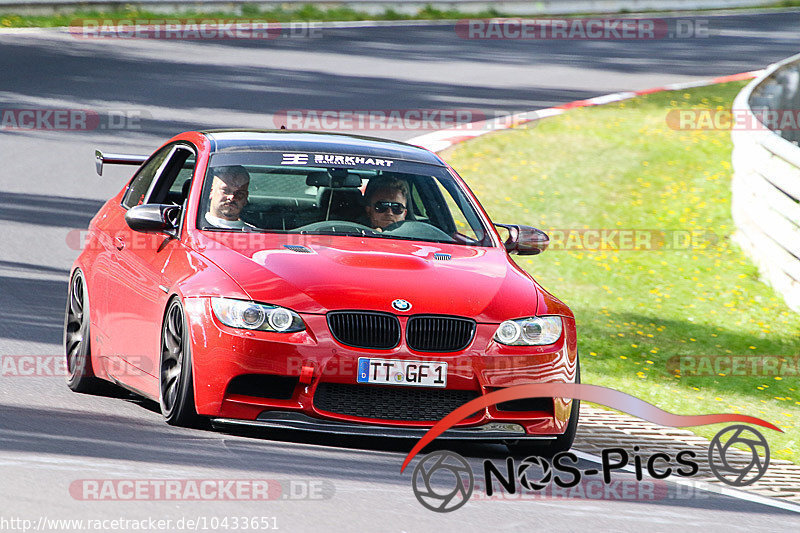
x=119 y=243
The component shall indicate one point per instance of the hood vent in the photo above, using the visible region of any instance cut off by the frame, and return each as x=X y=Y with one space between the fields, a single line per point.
x=442 y=257
x=298 y=248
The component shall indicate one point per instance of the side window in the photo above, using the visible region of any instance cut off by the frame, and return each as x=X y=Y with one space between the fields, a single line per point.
x=417 y=204
x=172 y=186
x=462 y=225
x=144 y=178
x=184 y=177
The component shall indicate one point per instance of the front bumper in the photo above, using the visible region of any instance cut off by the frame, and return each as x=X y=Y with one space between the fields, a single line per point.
x=221 y=354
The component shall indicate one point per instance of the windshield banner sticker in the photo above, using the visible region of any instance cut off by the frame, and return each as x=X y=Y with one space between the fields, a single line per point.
x=331 y=159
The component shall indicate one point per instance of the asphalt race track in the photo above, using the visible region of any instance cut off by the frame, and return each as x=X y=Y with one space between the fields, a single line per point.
x=51 y=438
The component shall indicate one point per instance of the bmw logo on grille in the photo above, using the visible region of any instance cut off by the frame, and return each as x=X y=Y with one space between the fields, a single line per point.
x=401 y=305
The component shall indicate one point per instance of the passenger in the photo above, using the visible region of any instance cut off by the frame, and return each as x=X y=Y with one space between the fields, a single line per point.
x=386 y=201
x=229 y=192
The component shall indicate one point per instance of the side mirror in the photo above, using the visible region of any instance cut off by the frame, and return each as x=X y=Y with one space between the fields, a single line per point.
x=525 y=240
x=154 y=218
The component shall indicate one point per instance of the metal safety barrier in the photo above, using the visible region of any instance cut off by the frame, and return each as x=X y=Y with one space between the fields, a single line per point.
x=766 y=179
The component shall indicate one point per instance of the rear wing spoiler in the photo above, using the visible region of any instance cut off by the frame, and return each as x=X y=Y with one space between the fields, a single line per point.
x=101 y=159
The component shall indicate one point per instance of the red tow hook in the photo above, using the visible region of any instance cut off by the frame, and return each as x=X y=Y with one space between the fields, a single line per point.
x=306 y=374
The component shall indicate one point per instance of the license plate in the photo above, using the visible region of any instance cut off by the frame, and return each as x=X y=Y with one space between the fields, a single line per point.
x=398 y=372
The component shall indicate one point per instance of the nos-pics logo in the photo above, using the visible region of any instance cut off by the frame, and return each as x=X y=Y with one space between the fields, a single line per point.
x=443 y=481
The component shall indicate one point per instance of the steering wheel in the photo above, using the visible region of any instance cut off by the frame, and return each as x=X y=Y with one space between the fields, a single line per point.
x=415 y=228
x=394 y=225
x=335 y=225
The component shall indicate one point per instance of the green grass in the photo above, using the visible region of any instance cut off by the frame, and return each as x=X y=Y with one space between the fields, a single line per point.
x=621 y=166
x=307 y=12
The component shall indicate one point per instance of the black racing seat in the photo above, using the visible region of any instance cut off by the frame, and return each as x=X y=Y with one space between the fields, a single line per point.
x=345 y=204
x=178 y=198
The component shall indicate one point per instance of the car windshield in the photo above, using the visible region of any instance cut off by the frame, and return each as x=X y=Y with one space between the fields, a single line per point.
x=251 y=191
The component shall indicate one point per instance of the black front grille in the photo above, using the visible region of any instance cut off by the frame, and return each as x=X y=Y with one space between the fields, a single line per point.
x=390 y=403
x=364 y=329
x=439 y=333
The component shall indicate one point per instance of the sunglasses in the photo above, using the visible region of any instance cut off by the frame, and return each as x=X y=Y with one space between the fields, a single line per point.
x=396 y=207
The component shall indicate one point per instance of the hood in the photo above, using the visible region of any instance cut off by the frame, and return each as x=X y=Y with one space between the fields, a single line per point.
x=337 y=272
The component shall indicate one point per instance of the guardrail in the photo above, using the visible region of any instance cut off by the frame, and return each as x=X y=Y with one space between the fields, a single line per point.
x=766 y=179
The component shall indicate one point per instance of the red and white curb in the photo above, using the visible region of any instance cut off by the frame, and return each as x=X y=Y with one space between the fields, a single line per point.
x=437 y=141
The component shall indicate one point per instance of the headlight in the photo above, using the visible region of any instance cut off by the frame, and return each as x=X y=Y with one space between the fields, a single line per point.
x=252 y=315
x=532 y=331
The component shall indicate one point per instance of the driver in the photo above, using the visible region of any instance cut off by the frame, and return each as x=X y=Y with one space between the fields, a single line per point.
x=229 y=192
x=386 y=201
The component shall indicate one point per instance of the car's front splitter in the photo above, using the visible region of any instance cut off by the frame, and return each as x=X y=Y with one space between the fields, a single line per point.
x=492 y=431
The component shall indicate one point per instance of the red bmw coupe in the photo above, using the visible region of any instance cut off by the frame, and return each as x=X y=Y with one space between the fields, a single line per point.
x=316 y=282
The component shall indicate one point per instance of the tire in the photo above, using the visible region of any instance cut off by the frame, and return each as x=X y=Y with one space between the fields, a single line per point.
x=77 y=340
x=176 y=390
x=562 y=443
